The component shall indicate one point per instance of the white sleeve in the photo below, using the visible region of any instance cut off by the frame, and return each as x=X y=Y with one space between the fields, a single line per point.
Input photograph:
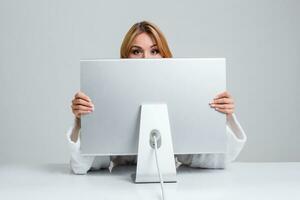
x=236 y=140
x=78 y=163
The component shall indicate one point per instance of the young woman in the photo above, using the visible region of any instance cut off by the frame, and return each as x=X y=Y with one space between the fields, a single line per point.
x=145 y=40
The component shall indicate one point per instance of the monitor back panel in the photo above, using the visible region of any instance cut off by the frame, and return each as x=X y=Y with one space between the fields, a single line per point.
x=118 y=87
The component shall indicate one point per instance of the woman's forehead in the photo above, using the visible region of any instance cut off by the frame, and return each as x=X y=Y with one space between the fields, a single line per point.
x=143 y=40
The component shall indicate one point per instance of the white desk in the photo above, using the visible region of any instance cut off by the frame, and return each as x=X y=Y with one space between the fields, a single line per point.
x=241 y=181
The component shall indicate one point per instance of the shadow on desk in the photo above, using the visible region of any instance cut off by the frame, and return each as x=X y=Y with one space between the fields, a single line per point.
x=125 y=171
x=120 y=170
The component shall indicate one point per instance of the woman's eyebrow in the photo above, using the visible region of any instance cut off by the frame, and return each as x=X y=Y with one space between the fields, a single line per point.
x=135 y=46
x=138 y=47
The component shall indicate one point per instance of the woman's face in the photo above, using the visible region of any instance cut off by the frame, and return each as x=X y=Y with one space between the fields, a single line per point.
x=143 y=46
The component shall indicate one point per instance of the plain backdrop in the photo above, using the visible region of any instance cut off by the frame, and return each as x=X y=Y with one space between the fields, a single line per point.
x=41 y=43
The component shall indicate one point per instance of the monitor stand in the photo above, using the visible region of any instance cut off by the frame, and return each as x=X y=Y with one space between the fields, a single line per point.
x=155 y=120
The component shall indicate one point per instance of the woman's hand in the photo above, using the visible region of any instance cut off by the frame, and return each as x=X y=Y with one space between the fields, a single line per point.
x=81 y=104
x=224 y=103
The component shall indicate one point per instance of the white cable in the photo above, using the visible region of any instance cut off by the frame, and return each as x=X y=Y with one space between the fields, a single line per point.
x=160 y=176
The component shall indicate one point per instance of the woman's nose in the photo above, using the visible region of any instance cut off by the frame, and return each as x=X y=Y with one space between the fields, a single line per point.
x=146 y=55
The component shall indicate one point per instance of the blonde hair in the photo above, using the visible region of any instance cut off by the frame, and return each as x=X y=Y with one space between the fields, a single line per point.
x=153 y=31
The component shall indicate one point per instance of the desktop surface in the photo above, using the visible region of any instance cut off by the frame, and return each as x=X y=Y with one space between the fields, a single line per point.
x=246 y=181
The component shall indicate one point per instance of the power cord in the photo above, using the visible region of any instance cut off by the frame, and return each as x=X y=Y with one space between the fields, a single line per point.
x=160 y=176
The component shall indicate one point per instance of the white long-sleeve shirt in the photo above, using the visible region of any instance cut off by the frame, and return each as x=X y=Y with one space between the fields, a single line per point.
x=236 y=140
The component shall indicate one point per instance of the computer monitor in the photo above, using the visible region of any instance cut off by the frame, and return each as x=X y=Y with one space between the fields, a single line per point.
x=180 y=88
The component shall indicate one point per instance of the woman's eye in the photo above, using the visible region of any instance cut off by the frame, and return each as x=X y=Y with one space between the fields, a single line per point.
x=155 y=51
x=136 y=52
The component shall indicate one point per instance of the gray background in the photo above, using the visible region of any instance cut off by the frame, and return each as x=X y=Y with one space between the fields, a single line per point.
x=41 y=43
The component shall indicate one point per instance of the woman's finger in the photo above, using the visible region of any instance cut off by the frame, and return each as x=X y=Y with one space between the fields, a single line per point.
x=79 y=113
x=223 y=106
x=82 y=102
x=225 y=111
x=83 y=96
x=222 y=95
x=81 y=108
x=223 y=100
